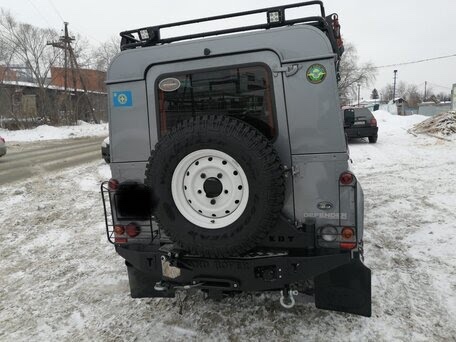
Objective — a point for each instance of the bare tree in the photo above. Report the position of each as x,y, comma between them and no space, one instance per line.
353,73
388,91
105,53
29,46
413,95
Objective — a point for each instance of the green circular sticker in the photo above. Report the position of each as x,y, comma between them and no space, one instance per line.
316,73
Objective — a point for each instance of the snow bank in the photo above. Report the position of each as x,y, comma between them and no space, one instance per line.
45,132
62,280
441,124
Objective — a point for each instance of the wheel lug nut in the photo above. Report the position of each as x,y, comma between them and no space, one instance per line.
219,175
213,202
203,175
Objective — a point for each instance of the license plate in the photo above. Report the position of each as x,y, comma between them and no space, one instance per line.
359,123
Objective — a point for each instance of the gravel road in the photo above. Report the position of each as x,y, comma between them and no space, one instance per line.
27,159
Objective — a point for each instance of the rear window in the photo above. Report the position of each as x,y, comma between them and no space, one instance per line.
363,113
241,92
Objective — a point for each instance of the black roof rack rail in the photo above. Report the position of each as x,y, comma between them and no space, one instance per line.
150,36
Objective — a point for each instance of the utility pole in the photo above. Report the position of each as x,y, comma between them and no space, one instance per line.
71,64
394,87
359,90
425,90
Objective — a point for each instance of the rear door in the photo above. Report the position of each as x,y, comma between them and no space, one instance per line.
228,85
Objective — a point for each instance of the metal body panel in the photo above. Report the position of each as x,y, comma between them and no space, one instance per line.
313,112
300,42
317,180
129,171
129,125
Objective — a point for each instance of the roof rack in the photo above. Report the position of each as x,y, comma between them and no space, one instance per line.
150,36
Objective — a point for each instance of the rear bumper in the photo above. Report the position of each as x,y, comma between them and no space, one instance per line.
2,150
341,282
361,132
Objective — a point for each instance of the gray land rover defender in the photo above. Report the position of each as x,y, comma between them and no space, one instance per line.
230,165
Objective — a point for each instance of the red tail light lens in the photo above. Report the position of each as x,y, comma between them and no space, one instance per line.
347,245
373,122
113,184
347,233
132,230
346,178
119,230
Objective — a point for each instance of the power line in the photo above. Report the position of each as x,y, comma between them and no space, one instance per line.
39,13
415,62
439,86
56,10
85,32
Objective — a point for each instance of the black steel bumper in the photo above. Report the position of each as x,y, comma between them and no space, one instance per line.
341,282
361,132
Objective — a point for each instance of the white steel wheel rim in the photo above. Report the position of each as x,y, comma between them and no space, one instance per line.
208,169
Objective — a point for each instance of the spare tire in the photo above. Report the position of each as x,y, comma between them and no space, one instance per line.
219,185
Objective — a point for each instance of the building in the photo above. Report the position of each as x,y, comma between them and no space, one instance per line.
23,103
94,80
432,108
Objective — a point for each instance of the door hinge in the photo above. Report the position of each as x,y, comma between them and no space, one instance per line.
287,170
289,70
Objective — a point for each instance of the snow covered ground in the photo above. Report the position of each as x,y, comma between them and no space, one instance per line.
61,280
46,132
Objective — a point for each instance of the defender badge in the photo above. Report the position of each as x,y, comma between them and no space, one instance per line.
316,73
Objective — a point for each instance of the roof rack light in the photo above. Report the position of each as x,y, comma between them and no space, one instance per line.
276,17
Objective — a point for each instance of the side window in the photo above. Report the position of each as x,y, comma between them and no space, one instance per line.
242,92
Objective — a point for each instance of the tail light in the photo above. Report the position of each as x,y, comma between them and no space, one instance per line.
113,184
373,122
132,230
329,234
119,232
346,178
347,245
348,238
347,233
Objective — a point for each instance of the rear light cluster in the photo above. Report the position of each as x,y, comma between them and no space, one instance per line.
373,122
347,178
122,233
338,237
113,184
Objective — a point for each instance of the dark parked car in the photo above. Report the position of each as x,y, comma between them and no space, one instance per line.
360,123
105,150
2,147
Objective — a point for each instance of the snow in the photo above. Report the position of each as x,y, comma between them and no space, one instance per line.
61,279
45,132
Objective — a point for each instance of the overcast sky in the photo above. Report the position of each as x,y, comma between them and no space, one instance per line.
384,31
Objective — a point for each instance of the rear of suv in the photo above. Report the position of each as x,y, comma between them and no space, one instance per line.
360,123
230,165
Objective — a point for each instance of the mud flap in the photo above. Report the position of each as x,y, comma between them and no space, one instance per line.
142,284
346,289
